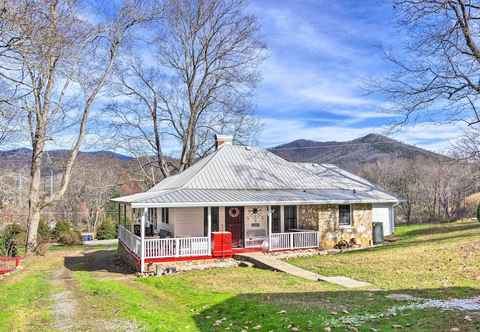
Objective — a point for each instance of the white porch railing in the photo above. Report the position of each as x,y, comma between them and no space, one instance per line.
254,243
177,247
294,240
133,242
163,248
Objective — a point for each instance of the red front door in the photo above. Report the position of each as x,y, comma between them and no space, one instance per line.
234,224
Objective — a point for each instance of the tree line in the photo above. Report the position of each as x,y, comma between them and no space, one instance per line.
150,73
432,190
149,76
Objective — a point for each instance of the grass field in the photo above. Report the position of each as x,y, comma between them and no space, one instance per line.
70,289
440,260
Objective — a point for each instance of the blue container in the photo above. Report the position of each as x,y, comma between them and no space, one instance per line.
87,237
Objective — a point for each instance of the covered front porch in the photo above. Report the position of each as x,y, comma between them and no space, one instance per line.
157,234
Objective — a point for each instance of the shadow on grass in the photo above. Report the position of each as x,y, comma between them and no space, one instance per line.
409,238
400,244
444,228
313,311
97,261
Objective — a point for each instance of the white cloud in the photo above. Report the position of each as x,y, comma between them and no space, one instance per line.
278,131
293,30
435,137
285,88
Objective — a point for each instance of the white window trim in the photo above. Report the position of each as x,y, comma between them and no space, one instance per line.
167,211
350,226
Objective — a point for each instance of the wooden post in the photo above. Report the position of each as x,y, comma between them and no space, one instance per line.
142,239
282,219
119,214
269,227
209,231
177,247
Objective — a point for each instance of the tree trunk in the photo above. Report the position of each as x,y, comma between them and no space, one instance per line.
34,206
409,213
186,148
158,146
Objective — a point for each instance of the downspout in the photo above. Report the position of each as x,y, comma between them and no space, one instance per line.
142,241
393,215
269,228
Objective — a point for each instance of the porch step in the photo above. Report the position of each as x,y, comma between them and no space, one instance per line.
266,261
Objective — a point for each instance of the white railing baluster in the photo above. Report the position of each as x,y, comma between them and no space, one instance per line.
130,240
163,248
294,240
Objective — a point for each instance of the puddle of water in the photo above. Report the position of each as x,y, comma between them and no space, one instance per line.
470,304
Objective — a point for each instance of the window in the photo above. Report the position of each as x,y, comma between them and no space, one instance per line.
165,215
276,225
345,215
290,217
152,217
215,220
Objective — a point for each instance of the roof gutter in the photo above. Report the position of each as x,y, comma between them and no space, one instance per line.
237,203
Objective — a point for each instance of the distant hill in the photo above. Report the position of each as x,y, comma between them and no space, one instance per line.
352,154
21,158
349,154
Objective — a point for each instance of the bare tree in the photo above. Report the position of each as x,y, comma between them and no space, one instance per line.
436,76
8,125
59,62
140,123
200,82
432,190
95,183
468,146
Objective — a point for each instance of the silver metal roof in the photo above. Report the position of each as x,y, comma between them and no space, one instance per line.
238,175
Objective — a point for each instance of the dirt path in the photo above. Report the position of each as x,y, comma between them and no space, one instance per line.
64,303
70,308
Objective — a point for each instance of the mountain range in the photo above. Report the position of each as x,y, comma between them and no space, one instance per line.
348,154
352,154
20,158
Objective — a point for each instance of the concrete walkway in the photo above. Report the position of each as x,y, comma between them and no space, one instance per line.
271,262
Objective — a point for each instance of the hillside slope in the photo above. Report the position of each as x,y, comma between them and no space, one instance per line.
21,158
354,153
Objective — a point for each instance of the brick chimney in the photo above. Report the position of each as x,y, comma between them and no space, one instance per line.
221,140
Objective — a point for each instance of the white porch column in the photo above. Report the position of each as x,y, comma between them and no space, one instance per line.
269,227
209,231
282,219
142,240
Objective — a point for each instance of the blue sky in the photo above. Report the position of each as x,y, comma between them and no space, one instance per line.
320,56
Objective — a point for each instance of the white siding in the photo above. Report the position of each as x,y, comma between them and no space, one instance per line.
221,219
187,222
384,213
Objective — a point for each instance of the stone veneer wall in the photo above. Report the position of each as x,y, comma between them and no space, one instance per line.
325,217
308,217
261,218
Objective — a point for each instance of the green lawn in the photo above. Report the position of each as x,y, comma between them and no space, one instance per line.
439,259
434,261
24,298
